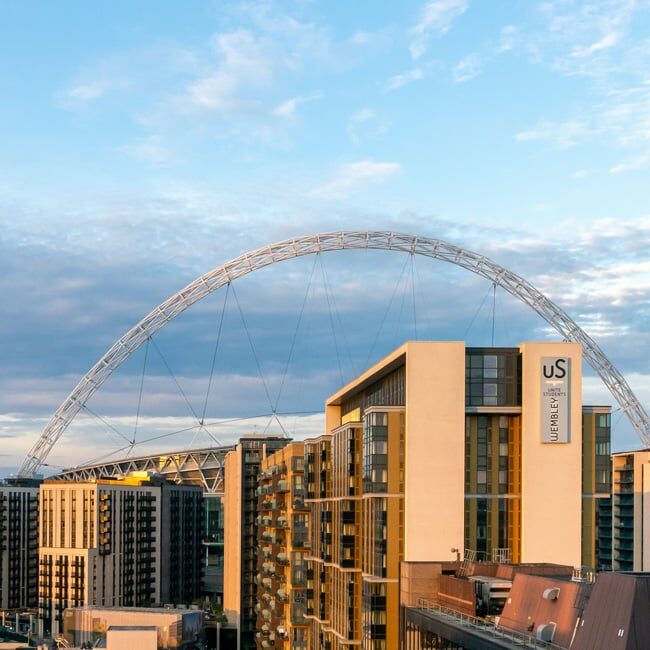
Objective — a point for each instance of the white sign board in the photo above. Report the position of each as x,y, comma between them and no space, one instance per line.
555,399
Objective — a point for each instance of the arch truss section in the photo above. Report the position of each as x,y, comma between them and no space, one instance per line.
202,467
323,243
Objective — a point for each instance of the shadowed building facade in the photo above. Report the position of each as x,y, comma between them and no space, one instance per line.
630,507
18,546
242,466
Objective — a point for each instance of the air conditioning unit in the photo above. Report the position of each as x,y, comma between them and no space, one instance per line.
551,594
545,632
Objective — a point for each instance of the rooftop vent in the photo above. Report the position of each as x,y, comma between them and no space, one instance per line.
545,632
551,594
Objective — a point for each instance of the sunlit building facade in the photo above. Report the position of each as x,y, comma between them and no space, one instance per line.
440,451
282,536
127,542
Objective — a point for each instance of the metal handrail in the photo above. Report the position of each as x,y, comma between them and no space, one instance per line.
486,626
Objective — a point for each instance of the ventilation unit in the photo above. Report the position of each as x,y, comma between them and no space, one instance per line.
551,594
545,632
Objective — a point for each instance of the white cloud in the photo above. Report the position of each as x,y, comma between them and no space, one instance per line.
399,80
360,38
562,135
353,176
632,164
509,39
150,149
577,36
245,63
91,90
287,109
608,40
467,68
436,17
364,124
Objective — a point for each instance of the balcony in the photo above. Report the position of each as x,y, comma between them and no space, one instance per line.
281,596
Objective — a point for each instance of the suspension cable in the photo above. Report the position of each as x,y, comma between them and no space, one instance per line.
415,315
144,370
401,309
181,391
494,307
329,307
106,422
337,316
386,311
469,327
257,361
214,355
295,334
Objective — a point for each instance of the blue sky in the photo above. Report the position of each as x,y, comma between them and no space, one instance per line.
145,143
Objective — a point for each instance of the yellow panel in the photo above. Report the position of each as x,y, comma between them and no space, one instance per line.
352,416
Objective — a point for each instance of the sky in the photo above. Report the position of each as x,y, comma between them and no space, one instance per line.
143,144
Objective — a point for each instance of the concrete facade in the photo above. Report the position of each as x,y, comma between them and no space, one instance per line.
388,476
100,545
551,483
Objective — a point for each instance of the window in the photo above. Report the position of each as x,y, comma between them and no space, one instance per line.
603,448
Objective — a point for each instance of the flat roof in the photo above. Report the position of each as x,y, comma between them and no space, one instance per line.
143,610
380,369
631,451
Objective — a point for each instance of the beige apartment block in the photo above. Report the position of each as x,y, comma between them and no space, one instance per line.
440,451
282,535
630,505
551,473
384,485
99,545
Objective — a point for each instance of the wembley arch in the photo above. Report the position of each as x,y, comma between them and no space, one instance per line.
322,243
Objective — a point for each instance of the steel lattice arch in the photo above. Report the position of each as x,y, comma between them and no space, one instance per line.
202,467
323,243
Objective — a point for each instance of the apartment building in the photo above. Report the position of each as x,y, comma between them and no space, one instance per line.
282,525
115,543
438,451
181,565
596,488
18,545
630,503
213,549
242,466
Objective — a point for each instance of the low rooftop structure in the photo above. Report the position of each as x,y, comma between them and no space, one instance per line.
616,617
441,606
176,628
